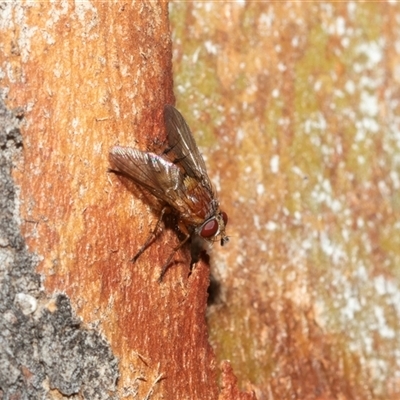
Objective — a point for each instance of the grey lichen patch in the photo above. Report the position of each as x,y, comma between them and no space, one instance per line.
44,350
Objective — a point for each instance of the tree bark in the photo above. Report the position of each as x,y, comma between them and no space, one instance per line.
90,76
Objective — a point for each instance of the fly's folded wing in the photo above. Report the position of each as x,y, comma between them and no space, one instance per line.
164,180
183,147
149,170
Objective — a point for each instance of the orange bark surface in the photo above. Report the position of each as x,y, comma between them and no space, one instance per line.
90,76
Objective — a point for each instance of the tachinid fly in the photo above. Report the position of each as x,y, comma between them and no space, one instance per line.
178,178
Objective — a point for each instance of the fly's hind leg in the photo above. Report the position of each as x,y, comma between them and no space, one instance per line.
168,262
152,235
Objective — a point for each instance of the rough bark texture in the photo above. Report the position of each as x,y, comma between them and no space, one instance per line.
43,345
90,76
296,105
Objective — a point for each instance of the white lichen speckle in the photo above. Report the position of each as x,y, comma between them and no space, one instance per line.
274,164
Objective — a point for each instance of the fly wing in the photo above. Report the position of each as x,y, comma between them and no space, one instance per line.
160,177
178,176
165,180
183,147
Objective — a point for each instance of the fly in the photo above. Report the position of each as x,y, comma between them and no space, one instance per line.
178,178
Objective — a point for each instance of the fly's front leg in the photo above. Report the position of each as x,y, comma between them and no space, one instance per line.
152,235
198,246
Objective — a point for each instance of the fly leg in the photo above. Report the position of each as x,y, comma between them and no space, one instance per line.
168,262
152,235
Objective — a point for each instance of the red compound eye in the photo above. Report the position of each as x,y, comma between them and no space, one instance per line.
224,217
209,229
